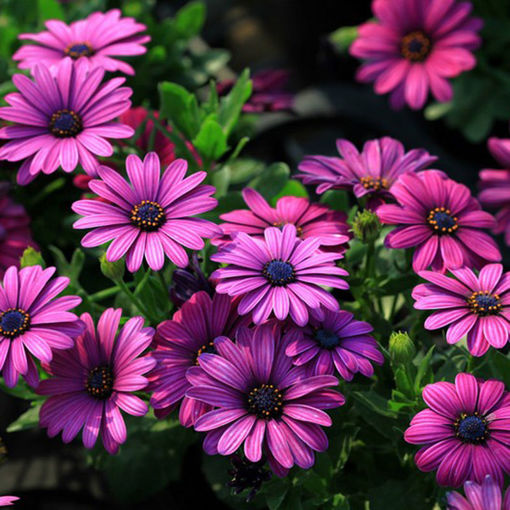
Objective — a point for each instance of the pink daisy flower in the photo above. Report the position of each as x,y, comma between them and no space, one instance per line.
465,431
96,40
63,120
262,401
8,500
96,379
441,219
179,342
370,174
34,321
414,46
15,235
334,342
495,186
476,306
310,220
279,273
483,496
150,215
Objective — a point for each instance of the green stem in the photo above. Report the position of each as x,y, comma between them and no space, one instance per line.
50,188
172,136
162,280
134,299
106,293
369,260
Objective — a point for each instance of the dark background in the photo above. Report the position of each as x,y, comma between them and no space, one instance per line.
272,33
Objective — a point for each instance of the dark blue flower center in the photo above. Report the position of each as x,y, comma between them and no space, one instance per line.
415,46
442,221
77,50
279,273
148,215
100,382
471,428
206,348
484,303
326,339
65,123
14,322
265,401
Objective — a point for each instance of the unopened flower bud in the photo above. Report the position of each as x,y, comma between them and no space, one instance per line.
112,270
366,226
402,349
31,257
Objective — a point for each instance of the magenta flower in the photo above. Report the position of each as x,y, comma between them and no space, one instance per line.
269,92
8,500
442,220
495,186
310,220
370,174
334,341
476,306
149,215
33,321
63,120
414,46
483,496
96,379
279,273
179,342
465,431
15,235
262,401
95,40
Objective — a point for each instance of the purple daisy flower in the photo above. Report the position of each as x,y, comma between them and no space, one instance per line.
95,40
465,431
150,215
310,220
8,500
279,273
414,46
179,342
63,120
334,341
96,379
262,401
476,306
442,220
15,235
269,92
495,186
34,321
483,496
370,174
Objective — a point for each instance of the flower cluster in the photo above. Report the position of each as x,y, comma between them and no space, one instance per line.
260,324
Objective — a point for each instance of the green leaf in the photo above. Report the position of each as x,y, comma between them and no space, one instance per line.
373,401
148,461
271,181
190,19
180,107
28,420
210,142
50,9
221,181
232,104
339,502
292,188
424,373
343,38
31,257
500,366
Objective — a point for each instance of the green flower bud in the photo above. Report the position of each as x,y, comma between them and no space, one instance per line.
402,349
31,257
366,226
112,270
